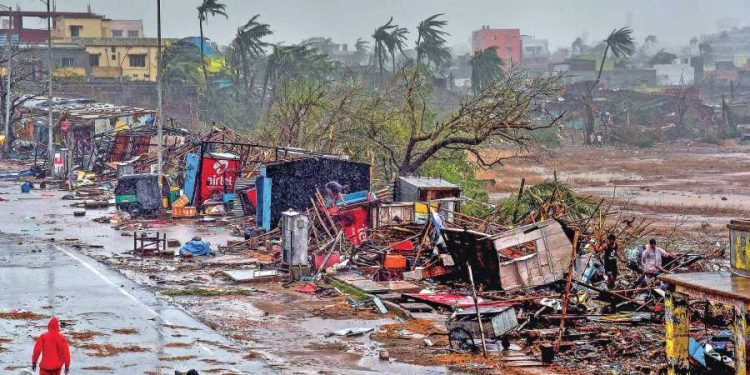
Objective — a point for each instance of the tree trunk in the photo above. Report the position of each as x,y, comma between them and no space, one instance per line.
393,61
588,129
203,57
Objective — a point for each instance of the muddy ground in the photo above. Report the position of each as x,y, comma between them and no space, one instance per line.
688,190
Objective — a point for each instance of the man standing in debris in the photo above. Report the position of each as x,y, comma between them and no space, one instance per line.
651,260
334,193
609,258
53,347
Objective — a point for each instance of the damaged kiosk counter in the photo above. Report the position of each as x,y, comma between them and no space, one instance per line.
217,174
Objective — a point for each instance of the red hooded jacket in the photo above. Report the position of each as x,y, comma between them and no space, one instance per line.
53,347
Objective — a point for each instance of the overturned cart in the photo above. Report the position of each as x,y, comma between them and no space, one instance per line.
464,329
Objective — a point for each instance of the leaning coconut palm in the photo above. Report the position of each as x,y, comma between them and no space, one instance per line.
288,62
208,8
383,38
248,45
431,43
362,49
621,43
486,66
397,41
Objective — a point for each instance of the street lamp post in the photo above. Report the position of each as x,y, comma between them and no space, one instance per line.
159,108
50,133
6,145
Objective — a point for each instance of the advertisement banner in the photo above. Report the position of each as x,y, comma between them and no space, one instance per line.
218,176
353,221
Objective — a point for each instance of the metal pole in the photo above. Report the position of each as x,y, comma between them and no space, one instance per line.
50,133
476,307
6,145
159,108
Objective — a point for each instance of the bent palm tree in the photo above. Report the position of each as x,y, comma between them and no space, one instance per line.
383,38
431,41
621,43
397,41
486,66
248,45
212,8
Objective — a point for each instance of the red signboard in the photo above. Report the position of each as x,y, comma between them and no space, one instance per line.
353,221
218,176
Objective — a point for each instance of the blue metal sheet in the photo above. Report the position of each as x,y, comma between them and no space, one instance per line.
191,171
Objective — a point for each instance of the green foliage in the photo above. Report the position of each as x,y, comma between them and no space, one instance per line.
548,137
634,136
486,66
711,137
534,197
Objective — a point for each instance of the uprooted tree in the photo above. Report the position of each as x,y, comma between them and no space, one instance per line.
407,131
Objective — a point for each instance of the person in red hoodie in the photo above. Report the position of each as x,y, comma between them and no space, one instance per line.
54,350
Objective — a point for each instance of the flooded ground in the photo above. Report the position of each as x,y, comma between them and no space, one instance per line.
132,305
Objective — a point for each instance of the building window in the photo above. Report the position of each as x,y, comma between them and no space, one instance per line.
117,33
113,57
94,59
66,62
75,31
132,33
137,60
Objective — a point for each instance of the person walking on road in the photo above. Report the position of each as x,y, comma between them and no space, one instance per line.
53,347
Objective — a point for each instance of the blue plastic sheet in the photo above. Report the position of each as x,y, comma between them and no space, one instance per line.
196,248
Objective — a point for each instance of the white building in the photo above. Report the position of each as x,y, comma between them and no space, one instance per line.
679,72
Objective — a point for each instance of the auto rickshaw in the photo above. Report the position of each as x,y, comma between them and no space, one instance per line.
140,194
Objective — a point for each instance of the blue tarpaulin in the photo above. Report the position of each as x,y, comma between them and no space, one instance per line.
196,248
16,174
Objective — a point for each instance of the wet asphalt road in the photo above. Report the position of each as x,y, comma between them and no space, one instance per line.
48,278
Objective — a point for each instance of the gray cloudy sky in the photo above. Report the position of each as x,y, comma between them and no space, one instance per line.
560,21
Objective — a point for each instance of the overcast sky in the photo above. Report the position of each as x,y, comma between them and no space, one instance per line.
559,21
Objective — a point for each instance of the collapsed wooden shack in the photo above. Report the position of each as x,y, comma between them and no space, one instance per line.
528,256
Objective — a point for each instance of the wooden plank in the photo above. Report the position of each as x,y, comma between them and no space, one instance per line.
416,307
399,286
524,364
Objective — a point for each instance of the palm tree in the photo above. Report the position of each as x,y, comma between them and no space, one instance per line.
208,8
486,66
294,61
650,40
578,45
431,41
383,38
248,45
362,49
397,41
621,43
693,43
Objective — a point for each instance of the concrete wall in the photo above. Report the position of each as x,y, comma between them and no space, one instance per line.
180,102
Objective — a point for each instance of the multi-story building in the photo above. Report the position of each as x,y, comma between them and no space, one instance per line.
507,42
131,58
126,29
114,49
534,53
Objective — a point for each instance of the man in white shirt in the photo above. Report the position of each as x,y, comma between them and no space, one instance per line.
651,259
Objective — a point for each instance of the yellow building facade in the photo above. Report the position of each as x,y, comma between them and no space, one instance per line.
112,53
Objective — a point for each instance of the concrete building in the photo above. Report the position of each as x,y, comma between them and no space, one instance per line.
112,48
130,58
30,27
534,53
507,42
679,72
126,28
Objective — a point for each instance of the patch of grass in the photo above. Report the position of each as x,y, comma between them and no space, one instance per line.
97,368
22,316
85,335
201,292
108,350
355,293
178,358
125,331
177,345
328,346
